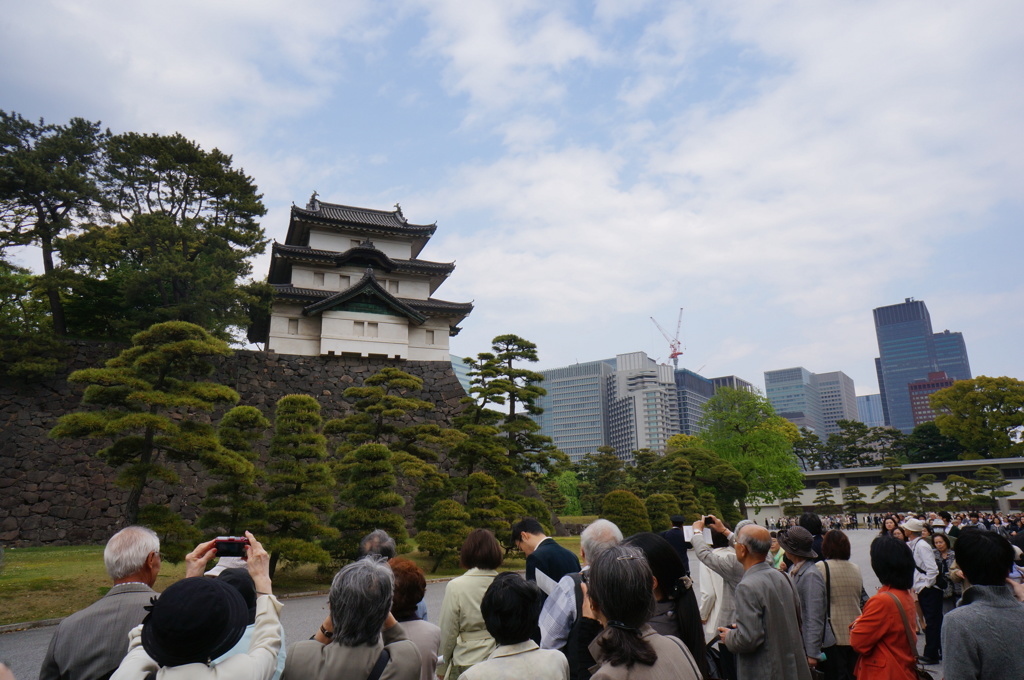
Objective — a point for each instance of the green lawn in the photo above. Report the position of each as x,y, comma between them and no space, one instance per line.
48,583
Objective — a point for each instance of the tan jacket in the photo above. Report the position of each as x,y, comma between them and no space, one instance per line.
674,661
464,637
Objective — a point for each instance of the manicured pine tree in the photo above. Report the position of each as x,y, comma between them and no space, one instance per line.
300,483
626,511
853,499
660,508
483,504
824,498
234,502
894,484
370,499
446,531
988,486
145,400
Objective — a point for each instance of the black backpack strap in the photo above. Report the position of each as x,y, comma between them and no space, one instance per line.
577,579
382,661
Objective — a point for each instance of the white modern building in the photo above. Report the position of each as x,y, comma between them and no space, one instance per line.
349,282
816,401
838,399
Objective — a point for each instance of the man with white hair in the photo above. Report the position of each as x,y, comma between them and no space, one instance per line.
90,644
561,613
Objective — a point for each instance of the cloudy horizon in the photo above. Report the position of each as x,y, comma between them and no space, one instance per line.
776,169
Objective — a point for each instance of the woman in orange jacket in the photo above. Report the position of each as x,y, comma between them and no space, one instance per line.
879,634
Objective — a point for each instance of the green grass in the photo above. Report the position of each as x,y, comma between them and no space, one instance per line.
52,582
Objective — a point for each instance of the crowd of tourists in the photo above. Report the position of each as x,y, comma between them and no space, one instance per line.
771,603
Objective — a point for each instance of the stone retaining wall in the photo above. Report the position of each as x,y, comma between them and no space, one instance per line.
57,492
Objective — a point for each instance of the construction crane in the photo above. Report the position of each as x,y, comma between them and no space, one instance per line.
675,347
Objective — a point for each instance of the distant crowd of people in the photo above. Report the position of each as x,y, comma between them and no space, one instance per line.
774,603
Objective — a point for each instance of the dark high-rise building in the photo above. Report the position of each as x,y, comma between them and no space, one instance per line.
908,351
693,391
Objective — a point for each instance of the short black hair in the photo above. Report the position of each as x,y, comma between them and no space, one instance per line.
944,514
528,525
984,556
892,562
811,522
511,607
677,520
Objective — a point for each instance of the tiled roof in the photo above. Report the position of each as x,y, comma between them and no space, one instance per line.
332,257
433,305
393,221
368,285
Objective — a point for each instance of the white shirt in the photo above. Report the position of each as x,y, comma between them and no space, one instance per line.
924,558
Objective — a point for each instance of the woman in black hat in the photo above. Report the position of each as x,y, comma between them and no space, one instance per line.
810,584
197,619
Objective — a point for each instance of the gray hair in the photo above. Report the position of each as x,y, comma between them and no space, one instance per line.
360,600
758,546
622,585
377,542
128,549
599,535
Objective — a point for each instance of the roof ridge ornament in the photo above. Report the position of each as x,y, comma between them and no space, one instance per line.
314,203
367,244
398,212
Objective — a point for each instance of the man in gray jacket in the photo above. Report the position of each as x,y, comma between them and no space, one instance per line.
90,644
731,572
766,634
981,637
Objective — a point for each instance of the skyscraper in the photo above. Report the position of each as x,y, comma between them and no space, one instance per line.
838,399
794,395
908,350
869,410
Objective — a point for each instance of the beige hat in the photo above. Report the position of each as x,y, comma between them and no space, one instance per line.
914,526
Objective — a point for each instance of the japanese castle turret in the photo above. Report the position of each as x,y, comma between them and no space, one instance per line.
349,281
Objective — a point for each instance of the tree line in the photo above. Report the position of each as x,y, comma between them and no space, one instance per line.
132,229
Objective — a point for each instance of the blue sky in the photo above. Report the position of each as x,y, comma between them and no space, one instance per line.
777,169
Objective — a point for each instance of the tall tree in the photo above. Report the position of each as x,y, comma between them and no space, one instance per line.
853,499
147,400
959,489
917,491
234,502
184,230
27,347
809,450
48,183
599,474
370,501
300,483
988,486
568,484
927,444
986,415
499,385
660,508
742,428
894,484
825,498
711,475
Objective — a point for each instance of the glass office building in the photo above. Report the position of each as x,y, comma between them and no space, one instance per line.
908,351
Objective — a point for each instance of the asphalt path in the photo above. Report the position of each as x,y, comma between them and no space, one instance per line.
24,650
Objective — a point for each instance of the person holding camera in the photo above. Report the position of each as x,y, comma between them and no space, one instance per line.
198,619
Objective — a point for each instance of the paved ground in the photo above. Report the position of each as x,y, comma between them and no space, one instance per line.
24,650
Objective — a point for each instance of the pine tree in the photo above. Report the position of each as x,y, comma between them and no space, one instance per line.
445,533
988,486
959,489
147,399
370,500
917,492
660,508
824,499
853,499
484,504
894,484
299,483
626,511
234,501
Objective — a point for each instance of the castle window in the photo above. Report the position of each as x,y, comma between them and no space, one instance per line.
344,282
371,329
393,287
293,326
358,328
430,337
318,279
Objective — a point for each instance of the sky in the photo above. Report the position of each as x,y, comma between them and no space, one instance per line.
776,169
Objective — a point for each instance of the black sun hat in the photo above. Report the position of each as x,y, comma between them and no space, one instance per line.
194,621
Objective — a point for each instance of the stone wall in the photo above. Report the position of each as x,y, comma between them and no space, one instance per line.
57,492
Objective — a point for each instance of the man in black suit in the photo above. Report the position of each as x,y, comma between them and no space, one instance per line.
678,541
